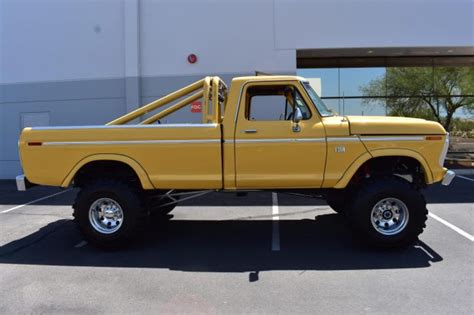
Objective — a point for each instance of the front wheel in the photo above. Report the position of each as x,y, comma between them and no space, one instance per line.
109,212
387,212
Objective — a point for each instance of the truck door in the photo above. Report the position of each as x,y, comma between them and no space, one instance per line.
271,151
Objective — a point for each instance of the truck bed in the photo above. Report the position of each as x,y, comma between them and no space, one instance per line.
178,156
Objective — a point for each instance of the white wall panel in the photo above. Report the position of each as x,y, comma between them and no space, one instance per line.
227,36
61,39
2,44
316,24
73,57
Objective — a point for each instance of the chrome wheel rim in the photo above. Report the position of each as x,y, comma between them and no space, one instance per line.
106,215
389,216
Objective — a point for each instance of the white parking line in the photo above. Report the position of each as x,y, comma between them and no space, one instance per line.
276,224
35,201
466,178
452,226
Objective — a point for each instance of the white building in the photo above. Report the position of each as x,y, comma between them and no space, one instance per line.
78,62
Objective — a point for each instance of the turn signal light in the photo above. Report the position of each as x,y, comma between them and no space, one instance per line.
434,138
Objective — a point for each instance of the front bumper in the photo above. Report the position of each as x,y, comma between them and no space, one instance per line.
448,178
22,183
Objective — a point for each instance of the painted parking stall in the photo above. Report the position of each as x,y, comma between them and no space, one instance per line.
218,251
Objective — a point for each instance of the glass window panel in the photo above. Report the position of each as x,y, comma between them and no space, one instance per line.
410,81
450,81
410,106
467,111
267,107
462,131
333,104
329,80
269,103
462,112
400,91
363,107
362,82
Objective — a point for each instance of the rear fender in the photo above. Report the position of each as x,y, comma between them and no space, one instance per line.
142,175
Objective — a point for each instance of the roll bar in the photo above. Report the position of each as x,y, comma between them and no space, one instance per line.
213,89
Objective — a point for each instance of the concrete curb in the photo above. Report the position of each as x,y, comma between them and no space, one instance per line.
463,171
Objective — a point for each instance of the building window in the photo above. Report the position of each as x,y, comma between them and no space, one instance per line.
440,91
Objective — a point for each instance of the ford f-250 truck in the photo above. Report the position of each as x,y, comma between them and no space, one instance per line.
264,133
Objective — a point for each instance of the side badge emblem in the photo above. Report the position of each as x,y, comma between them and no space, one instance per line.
340,149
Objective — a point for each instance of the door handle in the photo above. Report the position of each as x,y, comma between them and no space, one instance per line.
250,131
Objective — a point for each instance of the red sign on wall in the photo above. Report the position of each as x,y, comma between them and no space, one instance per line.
196,107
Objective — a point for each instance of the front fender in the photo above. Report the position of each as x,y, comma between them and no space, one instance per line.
346,178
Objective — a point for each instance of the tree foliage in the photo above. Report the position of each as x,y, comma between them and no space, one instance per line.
424,92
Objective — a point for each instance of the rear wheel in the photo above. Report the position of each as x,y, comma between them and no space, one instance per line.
387,212
109,212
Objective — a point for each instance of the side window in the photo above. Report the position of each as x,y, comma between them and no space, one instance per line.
302,106
267,107
274,102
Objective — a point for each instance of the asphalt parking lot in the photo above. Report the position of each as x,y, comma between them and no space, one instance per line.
264,253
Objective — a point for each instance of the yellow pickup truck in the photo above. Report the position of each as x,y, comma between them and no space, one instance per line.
263,133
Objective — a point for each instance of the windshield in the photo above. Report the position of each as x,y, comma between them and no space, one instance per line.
323,110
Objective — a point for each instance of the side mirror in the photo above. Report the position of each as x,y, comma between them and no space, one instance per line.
297,117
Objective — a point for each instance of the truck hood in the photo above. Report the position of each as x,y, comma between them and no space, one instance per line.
383,125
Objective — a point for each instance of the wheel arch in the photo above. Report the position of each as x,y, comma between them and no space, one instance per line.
98,158
387,153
